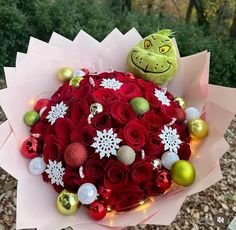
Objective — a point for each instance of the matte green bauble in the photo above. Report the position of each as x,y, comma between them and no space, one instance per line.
31,118
154,58
183,173
140,105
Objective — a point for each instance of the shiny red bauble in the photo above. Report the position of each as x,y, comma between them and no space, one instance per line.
163,180
97,211
86,71
31,147
40,104
105,193
75,154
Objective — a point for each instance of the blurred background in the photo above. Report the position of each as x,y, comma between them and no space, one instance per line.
199,25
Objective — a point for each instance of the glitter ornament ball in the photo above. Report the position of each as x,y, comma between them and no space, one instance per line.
126,155
87,193
30,147
181,101
163,180
75,154
168,159
140,105
97,211
64,74
105,193
198,128
67,202
31,118
37,166
192,113
183,173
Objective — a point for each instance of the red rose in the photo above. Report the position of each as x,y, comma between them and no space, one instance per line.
72,181
102,121
130,90
127,198
83,93
147,86
141,171
153,121
116,175
150,189
122,112
93,169
84,135
184,152
63,127
105,96
154,147
52,150
135,134
79,112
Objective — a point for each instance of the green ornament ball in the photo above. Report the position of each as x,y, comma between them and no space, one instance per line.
183,173
31,118
140,105
75,81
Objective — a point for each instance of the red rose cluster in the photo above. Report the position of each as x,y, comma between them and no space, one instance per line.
83,128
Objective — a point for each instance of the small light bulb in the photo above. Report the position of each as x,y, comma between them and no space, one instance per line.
109,208
141,202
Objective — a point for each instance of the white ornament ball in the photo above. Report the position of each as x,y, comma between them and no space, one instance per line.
168,159
37,166
87,193
192,113
126,155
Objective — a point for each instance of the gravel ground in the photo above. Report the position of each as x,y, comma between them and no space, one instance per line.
197,212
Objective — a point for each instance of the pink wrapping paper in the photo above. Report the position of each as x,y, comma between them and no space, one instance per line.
190,82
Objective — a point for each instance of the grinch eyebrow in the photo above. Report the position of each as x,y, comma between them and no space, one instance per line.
153,37
165,40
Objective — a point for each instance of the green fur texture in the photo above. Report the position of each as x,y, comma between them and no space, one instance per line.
154,58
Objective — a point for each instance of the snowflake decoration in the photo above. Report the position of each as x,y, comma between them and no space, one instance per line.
106,143
111,84
59,110
55,172
162,97
170,139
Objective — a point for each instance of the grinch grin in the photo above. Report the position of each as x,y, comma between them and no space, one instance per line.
140,62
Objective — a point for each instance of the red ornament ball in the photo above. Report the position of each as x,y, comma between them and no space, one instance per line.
97,211
180,114
30,148
40,104
163,180
75,154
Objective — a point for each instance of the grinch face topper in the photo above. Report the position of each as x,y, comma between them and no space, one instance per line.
154,58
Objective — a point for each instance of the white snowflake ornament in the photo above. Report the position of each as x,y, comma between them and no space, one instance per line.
59,110
106,143
162,97
170,139
111,84
55,172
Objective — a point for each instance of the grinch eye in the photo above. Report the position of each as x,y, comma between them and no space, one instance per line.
147,44
164,49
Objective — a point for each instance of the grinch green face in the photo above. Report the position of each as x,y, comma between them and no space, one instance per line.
154,58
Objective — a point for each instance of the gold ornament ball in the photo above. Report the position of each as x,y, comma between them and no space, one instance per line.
198,128
65,74
183,173
181,101
126,155
67,202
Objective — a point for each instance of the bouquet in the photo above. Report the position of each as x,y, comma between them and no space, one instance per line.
120,143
